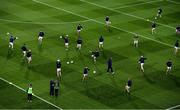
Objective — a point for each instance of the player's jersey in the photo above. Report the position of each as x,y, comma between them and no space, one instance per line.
79,41
101,39
153,25
41,34
66,40
29,54
169,64
135,38
107,18
79,27
85,71
142,60
160,11
177,44
12,39
129,83
23,48
58,64
96,53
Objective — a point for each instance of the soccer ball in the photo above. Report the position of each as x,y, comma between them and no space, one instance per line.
60,37
72,62
8,33
147,19
67,62
155,18
94,72
16,37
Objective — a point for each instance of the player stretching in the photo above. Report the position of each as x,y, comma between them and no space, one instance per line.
29,56
153,27
79,43
159,13
11,41
176,47
94,55
128,86
107,22
136,40
101,41
141,62
40,37
169,66
85,73
79,28
58,68
24,50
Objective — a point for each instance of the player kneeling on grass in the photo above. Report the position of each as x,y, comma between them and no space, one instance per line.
169,66
40,37
178,30
141,62
136,40
58,67
95,54
29,56
11,41
101,41
128,86
30,93
24,50
107,22
176,47
85,73
159,13
79,43
153,28
79,28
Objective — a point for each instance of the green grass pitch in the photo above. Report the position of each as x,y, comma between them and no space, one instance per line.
151,90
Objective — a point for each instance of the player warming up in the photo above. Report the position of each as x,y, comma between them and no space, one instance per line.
58,68
176,47
24,50
107,22
40,37
169,66
79,43
153,28
29,56
94,55
85,73
101,42
128,86
79,29
159,13
136,40
141,62
11,42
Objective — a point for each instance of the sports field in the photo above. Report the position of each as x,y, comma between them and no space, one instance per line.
152,89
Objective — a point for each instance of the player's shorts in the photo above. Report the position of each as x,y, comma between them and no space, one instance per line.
58,69
85,75
136,42
169,68
66,44
153,28
142,64
79,30
29,58
176,48
127,87
100,43
78,45
10,43
108,22
40,38
24,52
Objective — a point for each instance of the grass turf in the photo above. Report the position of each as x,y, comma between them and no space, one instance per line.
153,89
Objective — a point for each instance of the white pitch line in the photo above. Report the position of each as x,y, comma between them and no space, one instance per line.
102,23
49,23
177,3
173,107
138,17
33,94
137,4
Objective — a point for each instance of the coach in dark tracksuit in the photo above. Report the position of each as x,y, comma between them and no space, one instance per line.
51,88
109,63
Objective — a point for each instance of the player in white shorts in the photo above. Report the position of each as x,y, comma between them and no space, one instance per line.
40,37
58,67
136,40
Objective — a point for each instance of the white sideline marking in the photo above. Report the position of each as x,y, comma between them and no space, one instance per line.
33,94
45,23
126,6
173,107
178,3
102,23
125,13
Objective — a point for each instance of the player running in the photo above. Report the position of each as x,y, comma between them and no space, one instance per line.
107,22
94,55
79,29
176,47
11,41
79,43
169,66
153,27
24,50
40,37
29,56
128,86
136,40
159,13
58,68
141,62
85,73
101,42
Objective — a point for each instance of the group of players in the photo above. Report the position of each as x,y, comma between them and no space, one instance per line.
94,54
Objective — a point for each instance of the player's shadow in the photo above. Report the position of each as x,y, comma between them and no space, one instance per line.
148,78
40,48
